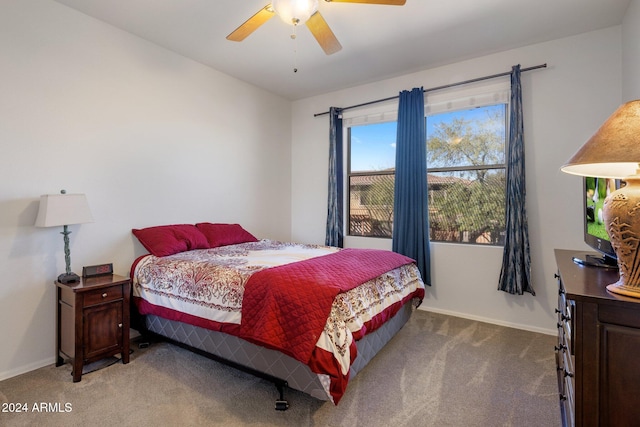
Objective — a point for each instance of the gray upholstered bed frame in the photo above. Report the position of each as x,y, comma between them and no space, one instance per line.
270,364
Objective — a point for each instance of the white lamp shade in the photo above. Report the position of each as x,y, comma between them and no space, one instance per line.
63,209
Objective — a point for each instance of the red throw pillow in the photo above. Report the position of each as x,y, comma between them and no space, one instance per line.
166,240
225,234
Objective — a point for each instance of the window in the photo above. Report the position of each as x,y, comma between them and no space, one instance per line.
466,176
372,157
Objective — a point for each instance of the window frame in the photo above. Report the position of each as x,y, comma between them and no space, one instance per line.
445,103
494,166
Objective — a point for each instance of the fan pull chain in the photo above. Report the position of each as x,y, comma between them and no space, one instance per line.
294,37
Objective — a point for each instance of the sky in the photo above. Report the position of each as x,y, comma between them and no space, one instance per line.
373,146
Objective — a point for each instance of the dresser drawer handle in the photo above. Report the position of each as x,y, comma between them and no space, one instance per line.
104,295
119,325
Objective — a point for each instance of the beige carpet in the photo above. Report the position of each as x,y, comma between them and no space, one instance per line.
438,371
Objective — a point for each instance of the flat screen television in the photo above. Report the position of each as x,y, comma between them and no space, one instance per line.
595,234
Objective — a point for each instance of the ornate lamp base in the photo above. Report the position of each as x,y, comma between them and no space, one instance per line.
623,290
621,212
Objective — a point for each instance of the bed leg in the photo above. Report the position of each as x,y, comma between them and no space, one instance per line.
281,403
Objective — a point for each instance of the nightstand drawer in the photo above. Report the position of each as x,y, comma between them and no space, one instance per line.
99,296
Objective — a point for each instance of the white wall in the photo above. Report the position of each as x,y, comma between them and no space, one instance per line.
631,52
151,138
563,105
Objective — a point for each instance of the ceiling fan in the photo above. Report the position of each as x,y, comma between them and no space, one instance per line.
295,12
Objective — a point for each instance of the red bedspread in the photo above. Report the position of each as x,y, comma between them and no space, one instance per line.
286,307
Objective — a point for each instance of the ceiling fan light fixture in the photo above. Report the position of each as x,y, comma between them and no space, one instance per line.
295,12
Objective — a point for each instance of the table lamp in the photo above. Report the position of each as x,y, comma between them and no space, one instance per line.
614,152
64,209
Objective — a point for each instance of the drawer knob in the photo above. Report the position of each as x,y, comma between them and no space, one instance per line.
119,325
104,295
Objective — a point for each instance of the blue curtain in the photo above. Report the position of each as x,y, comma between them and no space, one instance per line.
515,276
410,214
335,226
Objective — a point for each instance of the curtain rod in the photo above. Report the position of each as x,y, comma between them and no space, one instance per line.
493,76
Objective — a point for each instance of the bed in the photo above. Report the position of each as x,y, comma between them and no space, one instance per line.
304,316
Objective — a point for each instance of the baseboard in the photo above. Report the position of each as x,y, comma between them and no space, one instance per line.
26,368
490,320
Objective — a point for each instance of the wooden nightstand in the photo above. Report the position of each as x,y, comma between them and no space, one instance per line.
92,321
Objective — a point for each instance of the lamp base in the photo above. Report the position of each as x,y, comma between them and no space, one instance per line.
620,289
621,211
68,278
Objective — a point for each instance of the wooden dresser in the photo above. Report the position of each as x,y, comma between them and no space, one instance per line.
598,351
92,321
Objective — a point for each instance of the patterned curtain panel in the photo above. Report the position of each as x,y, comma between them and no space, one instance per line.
515,276
335,225
410,214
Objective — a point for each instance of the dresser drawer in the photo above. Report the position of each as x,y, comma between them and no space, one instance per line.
99,296
567,365
568,325
562,301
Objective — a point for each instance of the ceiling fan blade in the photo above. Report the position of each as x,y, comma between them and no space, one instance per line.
387,2
252,24
323,34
